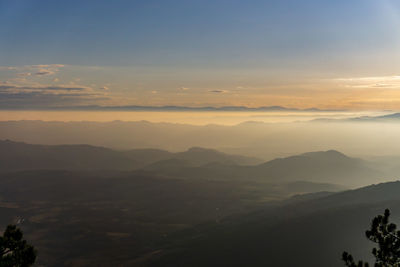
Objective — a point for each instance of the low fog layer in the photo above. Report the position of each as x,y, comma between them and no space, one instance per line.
363,138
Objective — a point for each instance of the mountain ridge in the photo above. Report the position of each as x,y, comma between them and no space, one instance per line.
336,222
82,156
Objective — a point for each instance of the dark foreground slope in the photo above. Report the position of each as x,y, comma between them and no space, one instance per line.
112,218
299,233
140,219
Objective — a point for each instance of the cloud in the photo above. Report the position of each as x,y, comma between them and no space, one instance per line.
184,88
44,72
378,82
41,100
46,69
24,74
37,70
25,88
14,88
218,91
46,66
44,96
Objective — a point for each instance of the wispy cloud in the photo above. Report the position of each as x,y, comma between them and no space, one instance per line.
218,91
24,74
23,97
378,82
15,88
39,70
41,100
46,66
44,72
27,87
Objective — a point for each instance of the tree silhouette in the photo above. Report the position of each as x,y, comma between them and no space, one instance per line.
385,235
14,250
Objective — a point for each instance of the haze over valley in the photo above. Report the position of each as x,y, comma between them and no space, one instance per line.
213,133
359,136
82,204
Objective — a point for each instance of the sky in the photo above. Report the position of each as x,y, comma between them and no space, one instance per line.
300,54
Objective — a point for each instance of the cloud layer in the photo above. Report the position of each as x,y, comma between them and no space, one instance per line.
35,86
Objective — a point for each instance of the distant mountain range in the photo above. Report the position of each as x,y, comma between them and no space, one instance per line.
22,156
321,167
196,163
184,108
389,117
394,117
262,140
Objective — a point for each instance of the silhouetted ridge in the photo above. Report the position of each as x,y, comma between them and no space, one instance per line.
22,156
321,223
383,118
324,166
327,152
330,154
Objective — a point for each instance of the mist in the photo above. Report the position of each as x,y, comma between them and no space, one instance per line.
199,133
265,140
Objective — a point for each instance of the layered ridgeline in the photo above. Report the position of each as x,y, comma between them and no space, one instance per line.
321,167
22,156
360,136
86,205
311,230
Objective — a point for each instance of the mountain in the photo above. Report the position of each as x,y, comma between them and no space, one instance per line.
22,156
205,209
394,117
320,167
307,232
323,166
306,187
330,166
184,108
263,140
198,156
147,156
169,165
384,118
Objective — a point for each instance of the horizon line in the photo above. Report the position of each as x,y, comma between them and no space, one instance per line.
171,108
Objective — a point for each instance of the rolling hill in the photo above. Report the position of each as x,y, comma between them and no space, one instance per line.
205,208
321,167
196,163
307,232
22,156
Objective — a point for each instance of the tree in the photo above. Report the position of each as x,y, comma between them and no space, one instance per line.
387,237
14,250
